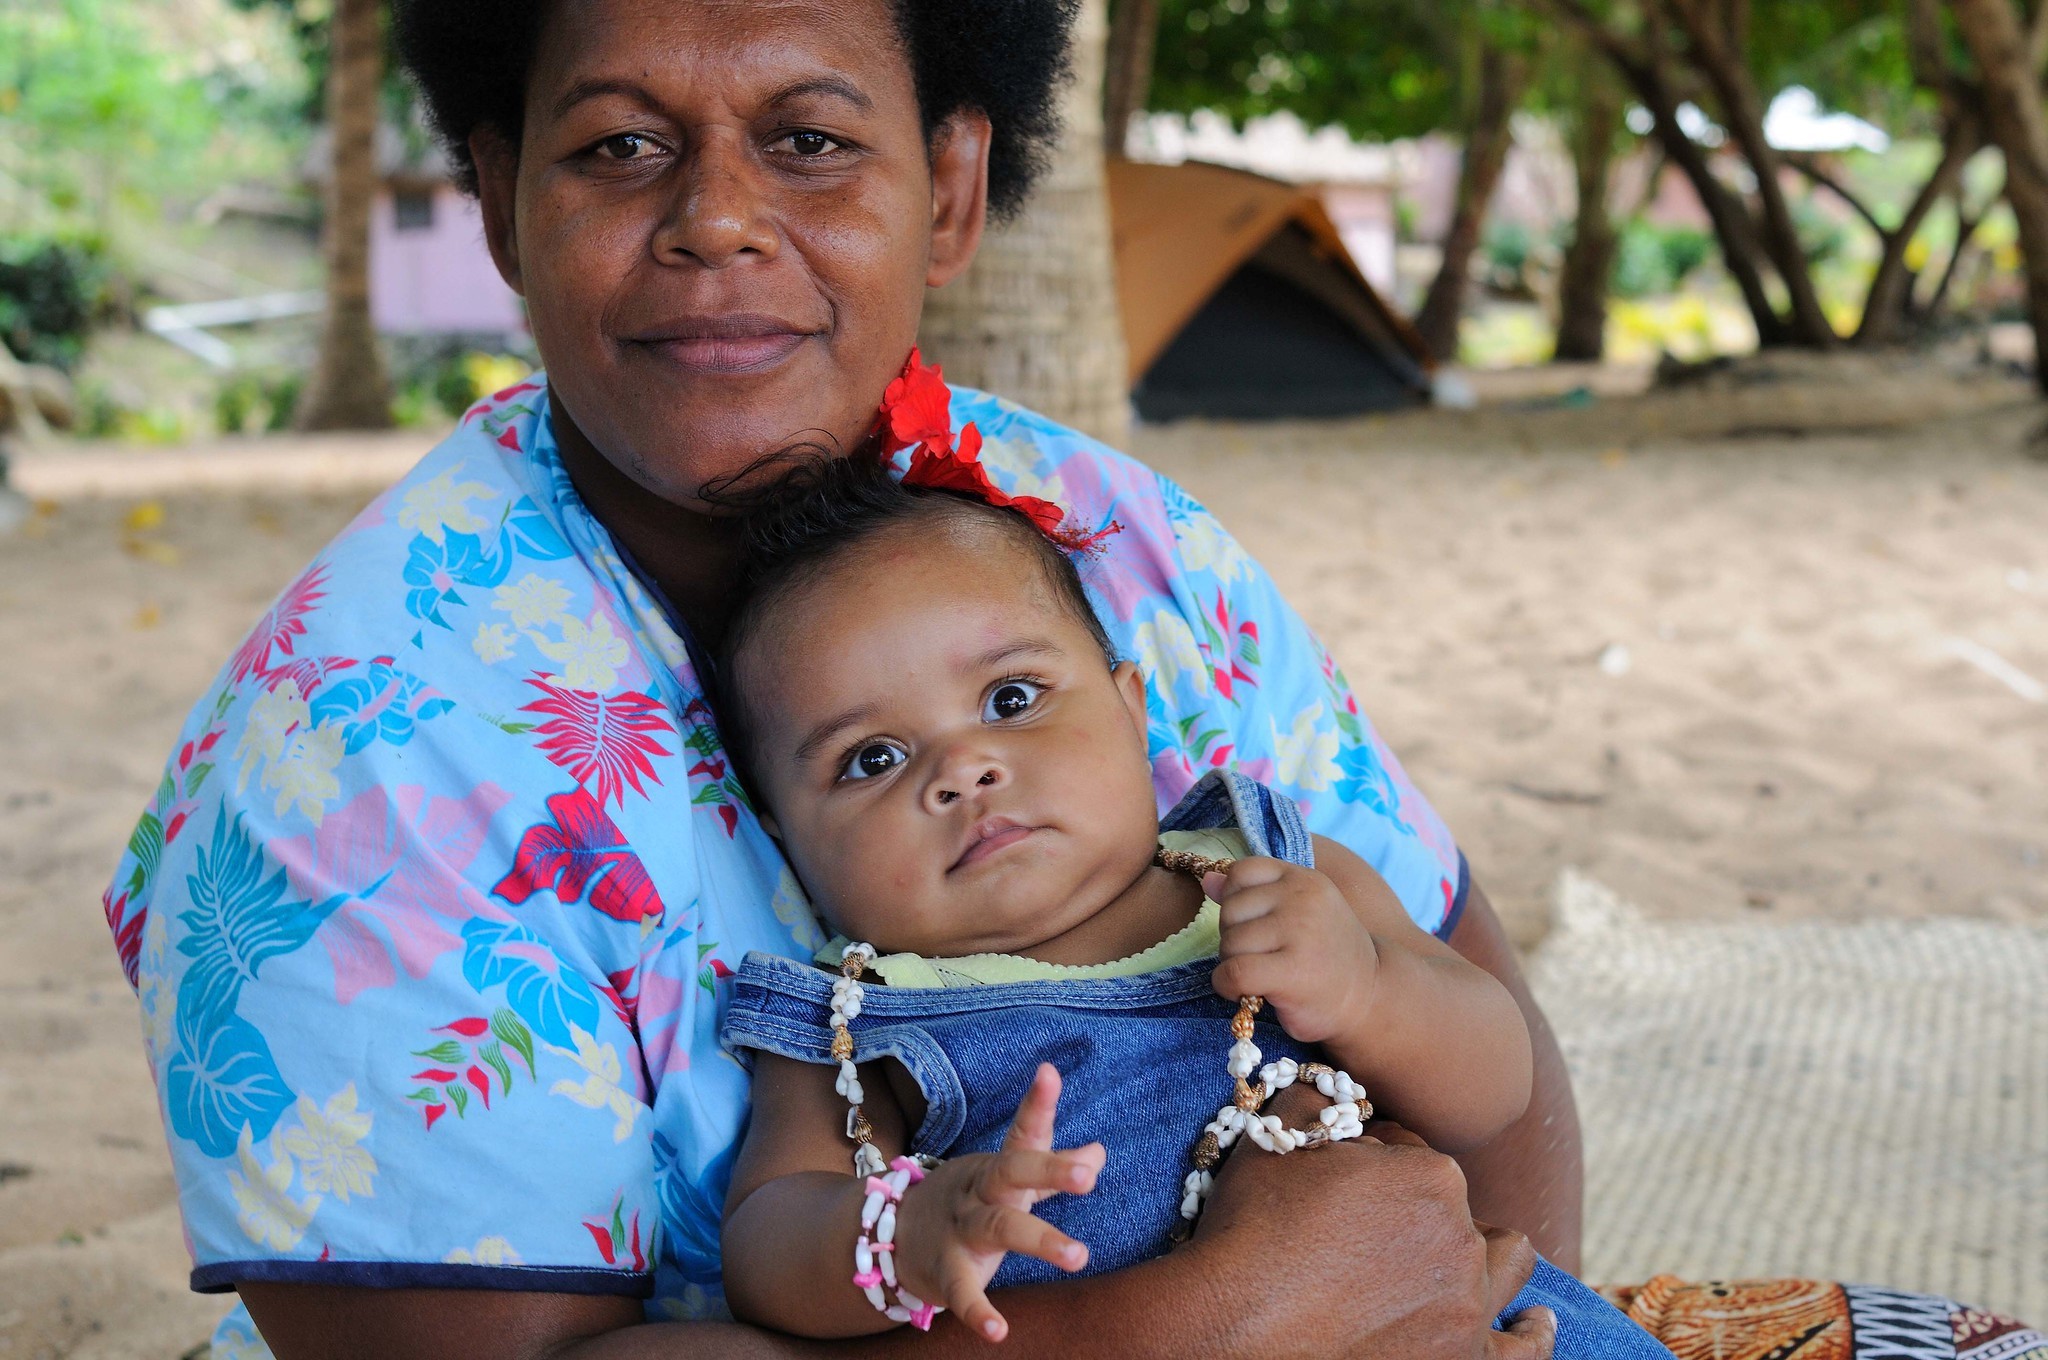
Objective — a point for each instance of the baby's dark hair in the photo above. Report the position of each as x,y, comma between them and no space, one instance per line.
811,515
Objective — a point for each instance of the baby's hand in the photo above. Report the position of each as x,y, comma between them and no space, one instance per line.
955,1226
1291,937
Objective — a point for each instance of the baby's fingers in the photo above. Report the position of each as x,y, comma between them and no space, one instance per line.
998,1227
1024,1176
1032,1128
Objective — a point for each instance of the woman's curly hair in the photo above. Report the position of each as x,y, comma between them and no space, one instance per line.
1006,58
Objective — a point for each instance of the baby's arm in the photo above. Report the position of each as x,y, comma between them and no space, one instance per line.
793,1213
1437,1041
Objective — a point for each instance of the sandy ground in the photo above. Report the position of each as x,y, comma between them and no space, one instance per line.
1735,651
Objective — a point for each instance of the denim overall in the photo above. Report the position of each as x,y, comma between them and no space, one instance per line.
1142,1067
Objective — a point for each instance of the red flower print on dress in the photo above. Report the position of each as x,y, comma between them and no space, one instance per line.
582,851
459,1063
603,741
615,1239
278,629
127,933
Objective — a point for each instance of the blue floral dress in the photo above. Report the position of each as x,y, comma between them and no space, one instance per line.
432,913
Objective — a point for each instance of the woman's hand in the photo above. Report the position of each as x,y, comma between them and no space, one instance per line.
1290,936
1363,1248
955,1226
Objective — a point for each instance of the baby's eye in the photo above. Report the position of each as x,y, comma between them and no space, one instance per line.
875,758
1011,699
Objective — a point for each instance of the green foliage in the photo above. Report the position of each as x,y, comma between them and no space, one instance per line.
1507,247
53,289
1379,68
1650,261
110,105
1822,237
442,381
253,402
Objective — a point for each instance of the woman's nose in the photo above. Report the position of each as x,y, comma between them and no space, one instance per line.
720,213
962,777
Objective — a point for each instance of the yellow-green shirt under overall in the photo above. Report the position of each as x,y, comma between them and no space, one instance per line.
1198,939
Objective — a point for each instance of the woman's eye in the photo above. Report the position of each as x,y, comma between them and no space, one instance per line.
1011,699
627,146
875,758
809,144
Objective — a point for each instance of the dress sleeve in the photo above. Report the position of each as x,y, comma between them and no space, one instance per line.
1237,678
383,1055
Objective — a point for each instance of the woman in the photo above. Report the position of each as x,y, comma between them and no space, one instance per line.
431,975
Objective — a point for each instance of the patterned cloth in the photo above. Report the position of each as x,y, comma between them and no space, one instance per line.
1813,1320
430,917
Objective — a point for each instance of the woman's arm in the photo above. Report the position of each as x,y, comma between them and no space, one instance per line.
1414,1279
1531,1176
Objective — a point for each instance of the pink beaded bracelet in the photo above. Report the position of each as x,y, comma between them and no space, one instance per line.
874,1254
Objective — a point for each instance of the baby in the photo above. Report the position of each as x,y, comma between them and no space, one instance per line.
937,731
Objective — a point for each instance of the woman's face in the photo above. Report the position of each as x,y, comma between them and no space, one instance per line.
723,215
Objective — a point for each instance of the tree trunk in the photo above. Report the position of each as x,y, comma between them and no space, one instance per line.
1035,317
1727,71
348,389
2003,50
1733,230
1133,39
1589,260
1887,307
1488,138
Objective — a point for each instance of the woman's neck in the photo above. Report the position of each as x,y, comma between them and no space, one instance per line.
688,554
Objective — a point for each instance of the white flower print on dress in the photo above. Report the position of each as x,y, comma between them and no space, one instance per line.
1019,463
264,1206
533,601
437,506
325,1144
489,1251
1166,651
271,721
1307,756
589,654
304,774
600,1087
492,643
1206,546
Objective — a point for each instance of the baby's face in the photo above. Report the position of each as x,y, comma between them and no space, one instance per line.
949,761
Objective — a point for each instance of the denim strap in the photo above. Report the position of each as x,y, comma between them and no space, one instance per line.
1271,824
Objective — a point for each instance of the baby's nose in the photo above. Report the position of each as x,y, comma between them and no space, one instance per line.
947,792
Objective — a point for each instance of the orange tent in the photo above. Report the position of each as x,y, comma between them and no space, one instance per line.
1240,299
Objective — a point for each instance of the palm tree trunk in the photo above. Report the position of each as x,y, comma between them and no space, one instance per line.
1589,260
1133,38
2017,122
1035,317
349,389
1487,142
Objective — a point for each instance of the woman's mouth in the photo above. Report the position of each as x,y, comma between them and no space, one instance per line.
992,836
740,343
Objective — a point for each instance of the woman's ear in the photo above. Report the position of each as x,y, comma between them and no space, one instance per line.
497,190
959,194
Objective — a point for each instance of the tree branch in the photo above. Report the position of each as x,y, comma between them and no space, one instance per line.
1811,167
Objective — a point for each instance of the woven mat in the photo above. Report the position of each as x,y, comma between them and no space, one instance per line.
1860,1102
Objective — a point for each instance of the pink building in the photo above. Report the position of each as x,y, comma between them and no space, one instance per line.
430,272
